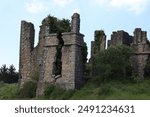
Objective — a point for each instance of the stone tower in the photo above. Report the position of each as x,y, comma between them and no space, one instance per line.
54,51
141,51
26,47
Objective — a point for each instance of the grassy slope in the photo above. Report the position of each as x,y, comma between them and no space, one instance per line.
8,91
92,90
114,90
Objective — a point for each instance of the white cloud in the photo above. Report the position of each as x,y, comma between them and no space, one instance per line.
35,6
135,6
62,3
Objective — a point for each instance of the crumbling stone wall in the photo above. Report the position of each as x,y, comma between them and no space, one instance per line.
26,48
119,38
97,45
44,55
141,52
138,42
99,42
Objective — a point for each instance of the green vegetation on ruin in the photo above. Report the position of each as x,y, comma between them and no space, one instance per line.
56,25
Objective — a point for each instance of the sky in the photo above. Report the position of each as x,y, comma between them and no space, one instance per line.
108,15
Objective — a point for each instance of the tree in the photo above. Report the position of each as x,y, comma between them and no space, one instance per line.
113,63
8,75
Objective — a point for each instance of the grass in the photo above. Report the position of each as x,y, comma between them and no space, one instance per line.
8,91
115,90
94,89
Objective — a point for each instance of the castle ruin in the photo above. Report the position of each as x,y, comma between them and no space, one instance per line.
138,42
57,58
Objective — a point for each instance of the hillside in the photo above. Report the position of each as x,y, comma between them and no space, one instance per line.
93,90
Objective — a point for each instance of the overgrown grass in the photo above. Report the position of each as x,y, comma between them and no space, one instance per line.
8,91
94,89
114,90
56,93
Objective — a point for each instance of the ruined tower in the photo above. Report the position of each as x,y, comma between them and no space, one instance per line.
141,52
26,47
99,42
138,42
58,57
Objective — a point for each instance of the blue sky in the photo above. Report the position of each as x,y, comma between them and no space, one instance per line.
109,15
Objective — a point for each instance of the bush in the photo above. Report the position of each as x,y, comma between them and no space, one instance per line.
113,63
56,25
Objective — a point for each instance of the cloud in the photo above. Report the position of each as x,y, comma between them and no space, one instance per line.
135,6
62,3
35,6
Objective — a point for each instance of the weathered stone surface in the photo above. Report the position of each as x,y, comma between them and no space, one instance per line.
42,57
75,23
99,42
141,51
138,42
119,38
26,47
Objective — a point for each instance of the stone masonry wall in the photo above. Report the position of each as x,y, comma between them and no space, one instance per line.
138,42
26,48
141,52
119,38
99,42
41,58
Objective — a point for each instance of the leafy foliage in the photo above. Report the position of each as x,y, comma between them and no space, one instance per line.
55,25
113,63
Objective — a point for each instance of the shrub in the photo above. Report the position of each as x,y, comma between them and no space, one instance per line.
113,63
